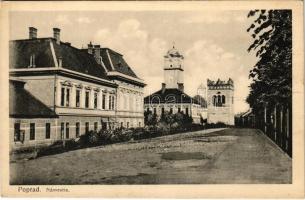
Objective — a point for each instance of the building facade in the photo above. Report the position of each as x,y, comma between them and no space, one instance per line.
220,96
86,89
171,97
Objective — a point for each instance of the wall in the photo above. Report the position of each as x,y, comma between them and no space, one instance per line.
42,87
130,105
55,134
224,114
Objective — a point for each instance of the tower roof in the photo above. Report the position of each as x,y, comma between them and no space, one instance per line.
173,52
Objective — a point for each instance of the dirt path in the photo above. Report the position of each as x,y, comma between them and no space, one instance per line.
210,156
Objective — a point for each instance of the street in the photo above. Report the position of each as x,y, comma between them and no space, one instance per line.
222,156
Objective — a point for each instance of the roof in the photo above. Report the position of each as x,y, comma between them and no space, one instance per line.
114,61
220,82
24,104
76,60
173,52
72,58
169,95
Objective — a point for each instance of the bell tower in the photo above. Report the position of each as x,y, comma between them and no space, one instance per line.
173,69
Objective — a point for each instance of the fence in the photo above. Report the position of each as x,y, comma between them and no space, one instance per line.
275,121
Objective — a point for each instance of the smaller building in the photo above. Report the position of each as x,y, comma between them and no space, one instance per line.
220,101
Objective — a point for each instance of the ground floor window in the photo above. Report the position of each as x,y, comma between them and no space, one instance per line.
77,129
122,124
139,124
67,130
32,131
127,125
87,127
48,130
104,125
187,111
62,130
95,126
17,132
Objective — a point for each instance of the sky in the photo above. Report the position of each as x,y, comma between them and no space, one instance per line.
214,43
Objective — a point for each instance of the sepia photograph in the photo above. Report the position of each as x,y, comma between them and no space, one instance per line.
151,97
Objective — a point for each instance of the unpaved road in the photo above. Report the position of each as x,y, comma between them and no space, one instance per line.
203,157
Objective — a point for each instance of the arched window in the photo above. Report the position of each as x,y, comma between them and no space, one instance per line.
223,99
214,100
219,100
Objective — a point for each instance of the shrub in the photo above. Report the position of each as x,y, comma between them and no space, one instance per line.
89,138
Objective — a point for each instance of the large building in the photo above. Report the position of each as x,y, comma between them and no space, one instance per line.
220,96
77,89
171,96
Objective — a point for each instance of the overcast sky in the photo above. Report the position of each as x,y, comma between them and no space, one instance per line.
214,43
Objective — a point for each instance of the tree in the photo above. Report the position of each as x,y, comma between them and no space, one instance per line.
169,118
272,74
150,119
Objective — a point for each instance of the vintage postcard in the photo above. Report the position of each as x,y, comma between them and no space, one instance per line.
152,99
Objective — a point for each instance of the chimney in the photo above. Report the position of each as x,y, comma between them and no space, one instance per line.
181,87
32,33
97,53
163,87
90,48
56,35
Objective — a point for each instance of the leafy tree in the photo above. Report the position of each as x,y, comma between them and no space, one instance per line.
169,119
272,74
150,119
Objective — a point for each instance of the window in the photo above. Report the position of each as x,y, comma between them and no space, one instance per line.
147,109
109,102
32,131
162,111
95,126
32,60
214,100
62,98
77,129
65,96
187,111
112,103
77,98
62,130
104,102
67,130
104,125
17,132
219,104
87,99
155,110
223,98
127,125
179,109
139,124
95,99
87,127
48,131
68,97
171,110
122,124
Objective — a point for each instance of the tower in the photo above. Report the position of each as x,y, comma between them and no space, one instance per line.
220,101
173,69
202,91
